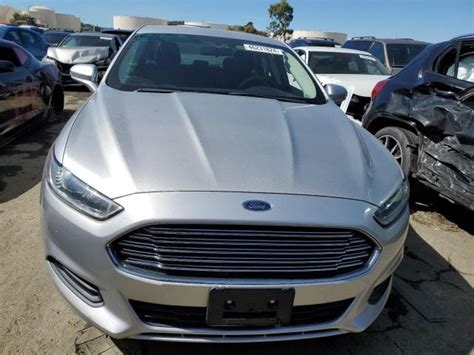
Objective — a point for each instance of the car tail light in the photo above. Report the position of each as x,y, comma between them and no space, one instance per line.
377,88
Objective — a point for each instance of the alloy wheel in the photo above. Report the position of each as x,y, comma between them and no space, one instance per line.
393,146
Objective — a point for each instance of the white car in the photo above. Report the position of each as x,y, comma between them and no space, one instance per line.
357,71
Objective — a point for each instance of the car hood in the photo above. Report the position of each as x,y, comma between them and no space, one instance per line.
127,142
363,84
78,55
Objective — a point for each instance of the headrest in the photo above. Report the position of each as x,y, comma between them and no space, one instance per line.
169,53
244,61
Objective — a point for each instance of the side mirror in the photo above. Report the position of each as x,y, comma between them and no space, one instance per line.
7,66
337,93
86,74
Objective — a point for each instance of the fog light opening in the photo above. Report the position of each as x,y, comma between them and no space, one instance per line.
379,291
83,289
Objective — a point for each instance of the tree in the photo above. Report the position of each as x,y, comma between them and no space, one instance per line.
281,15
19,18
85,27
249,28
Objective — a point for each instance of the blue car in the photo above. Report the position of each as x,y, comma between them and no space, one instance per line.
28,39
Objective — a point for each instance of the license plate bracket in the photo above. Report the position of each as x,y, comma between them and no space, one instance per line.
249,307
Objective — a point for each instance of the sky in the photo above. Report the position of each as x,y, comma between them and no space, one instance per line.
429,20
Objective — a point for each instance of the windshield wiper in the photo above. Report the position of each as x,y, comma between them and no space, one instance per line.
280,98
171,90
222,92
165,91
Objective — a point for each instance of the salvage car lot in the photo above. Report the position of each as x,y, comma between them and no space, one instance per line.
430,309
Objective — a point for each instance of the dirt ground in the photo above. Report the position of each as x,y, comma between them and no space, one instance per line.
431,309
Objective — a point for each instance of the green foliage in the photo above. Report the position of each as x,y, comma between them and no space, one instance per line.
86,27
249,28
281,15
19,18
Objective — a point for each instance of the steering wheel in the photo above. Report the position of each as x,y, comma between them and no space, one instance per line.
254,80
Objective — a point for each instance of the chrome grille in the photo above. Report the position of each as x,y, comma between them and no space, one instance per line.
243,251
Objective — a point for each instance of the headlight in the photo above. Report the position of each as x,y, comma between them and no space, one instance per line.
78,194
394,205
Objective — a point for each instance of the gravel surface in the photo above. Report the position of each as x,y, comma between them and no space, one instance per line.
430,310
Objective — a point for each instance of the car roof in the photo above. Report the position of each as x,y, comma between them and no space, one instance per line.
466,36
320,39
387,40
14,27
331,49
116,31
93,34
56,31
212,32
400,40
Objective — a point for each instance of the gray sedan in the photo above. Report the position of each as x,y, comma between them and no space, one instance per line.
211,190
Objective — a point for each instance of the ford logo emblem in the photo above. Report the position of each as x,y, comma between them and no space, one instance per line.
257,205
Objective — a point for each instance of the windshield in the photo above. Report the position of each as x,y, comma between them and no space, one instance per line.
400,54
345,63
86,41
182,62
54,37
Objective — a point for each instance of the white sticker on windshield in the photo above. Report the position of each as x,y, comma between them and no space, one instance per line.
106,38
363,56
262,49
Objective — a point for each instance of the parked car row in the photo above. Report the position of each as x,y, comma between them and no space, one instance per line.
393,53
358,65
357,71
34,68
29,90
423,113
83,48
429,85
90,47
32,41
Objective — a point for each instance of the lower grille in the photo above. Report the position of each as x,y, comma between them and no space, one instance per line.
182,316
243,251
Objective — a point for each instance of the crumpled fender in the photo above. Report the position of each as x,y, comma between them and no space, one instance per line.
446,151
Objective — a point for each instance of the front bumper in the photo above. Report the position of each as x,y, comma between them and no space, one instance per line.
79,243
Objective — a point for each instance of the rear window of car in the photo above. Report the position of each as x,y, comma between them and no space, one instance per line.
87,41
359,45
345,63
321,43
400,54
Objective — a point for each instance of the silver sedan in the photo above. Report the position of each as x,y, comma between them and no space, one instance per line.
211,190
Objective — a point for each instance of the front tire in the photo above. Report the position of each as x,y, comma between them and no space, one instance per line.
402,144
